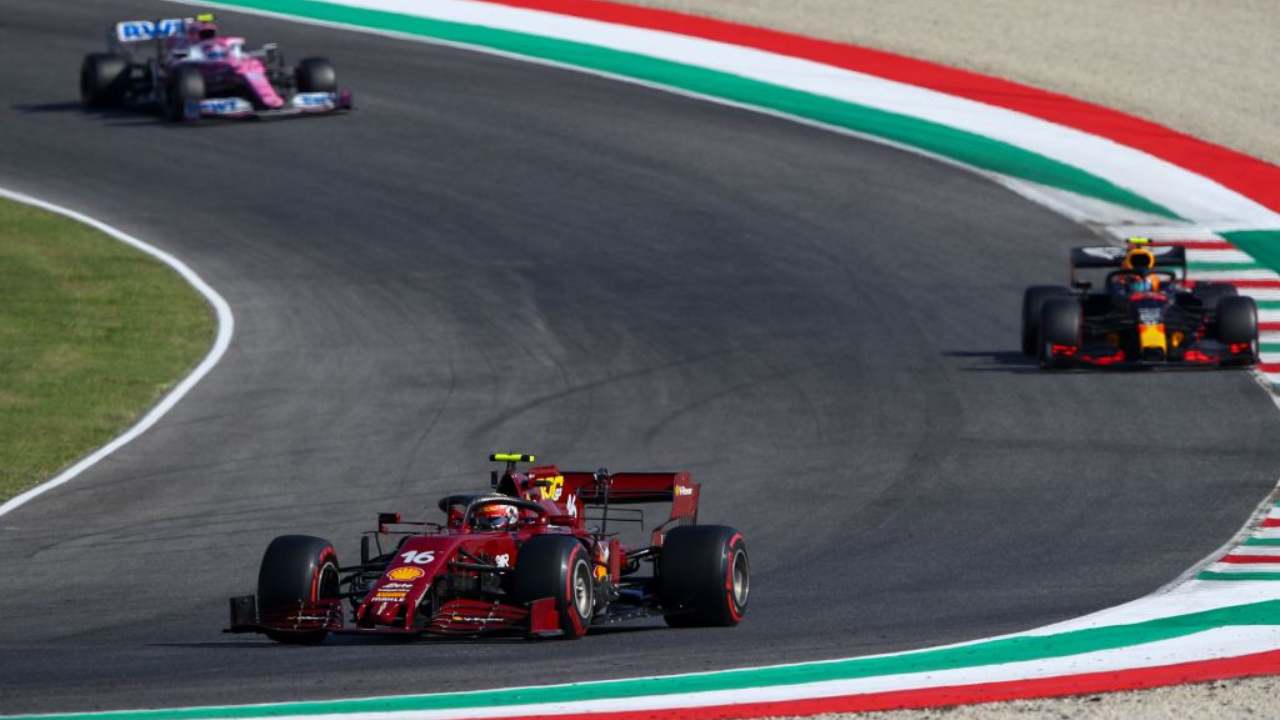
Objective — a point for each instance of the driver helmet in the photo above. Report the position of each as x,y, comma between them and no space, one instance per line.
497,516
201,30
1141,261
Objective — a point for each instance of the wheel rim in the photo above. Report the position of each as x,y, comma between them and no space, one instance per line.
329,585
582,590
741,578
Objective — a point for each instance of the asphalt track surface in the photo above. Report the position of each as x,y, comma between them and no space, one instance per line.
492,255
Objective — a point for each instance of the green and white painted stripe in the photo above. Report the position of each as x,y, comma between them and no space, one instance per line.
1256,558
1204,628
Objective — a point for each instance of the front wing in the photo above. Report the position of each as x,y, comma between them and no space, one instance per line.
1206,354
311,103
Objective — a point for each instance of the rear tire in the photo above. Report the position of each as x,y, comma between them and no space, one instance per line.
1211,295
705,576
1033,301
557,566
315,75
1060,324
184,86
103,80
297,569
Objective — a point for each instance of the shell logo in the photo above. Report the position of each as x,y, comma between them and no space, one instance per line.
406,573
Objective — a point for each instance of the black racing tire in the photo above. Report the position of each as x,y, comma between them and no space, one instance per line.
1212,294
315,74
704,576
295,569
103,80
1238,321
1060,324
1033,300
559,567
184,85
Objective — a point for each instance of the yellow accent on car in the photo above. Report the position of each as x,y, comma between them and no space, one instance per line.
1137,240
553,488
1176,339
1152,336
204,17
512,457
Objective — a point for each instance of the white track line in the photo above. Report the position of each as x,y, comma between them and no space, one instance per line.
226,326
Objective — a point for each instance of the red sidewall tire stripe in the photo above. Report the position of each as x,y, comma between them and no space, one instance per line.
574,626
735,612
325,556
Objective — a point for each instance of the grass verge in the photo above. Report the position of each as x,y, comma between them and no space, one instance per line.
92,333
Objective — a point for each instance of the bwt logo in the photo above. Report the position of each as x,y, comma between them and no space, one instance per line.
222,106
135,30
312,99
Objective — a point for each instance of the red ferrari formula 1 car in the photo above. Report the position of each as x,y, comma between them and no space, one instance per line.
522,559
1146,314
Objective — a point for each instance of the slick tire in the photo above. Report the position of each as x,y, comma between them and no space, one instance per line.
704,576
1211,295
1060,324
558,567
1238,323
315,74
1033,300
296,569
103,77
184,86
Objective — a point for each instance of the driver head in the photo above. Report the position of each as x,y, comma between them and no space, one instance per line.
496,517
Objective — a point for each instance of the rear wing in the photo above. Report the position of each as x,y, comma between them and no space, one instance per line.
627,488
135,31
570,493
632,488
1170,258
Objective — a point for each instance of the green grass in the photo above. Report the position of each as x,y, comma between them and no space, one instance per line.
92,333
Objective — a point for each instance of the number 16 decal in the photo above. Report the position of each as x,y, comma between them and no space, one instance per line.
418,557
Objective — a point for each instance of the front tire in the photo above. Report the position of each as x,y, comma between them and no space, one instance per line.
297,569
557,566
1238,324
1033,300
315,75
1060,324
705,576
184,87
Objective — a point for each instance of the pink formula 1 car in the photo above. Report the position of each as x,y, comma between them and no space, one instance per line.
185,69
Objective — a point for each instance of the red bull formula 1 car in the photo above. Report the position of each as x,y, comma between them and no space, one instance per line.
1146,314
185,69
524,559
